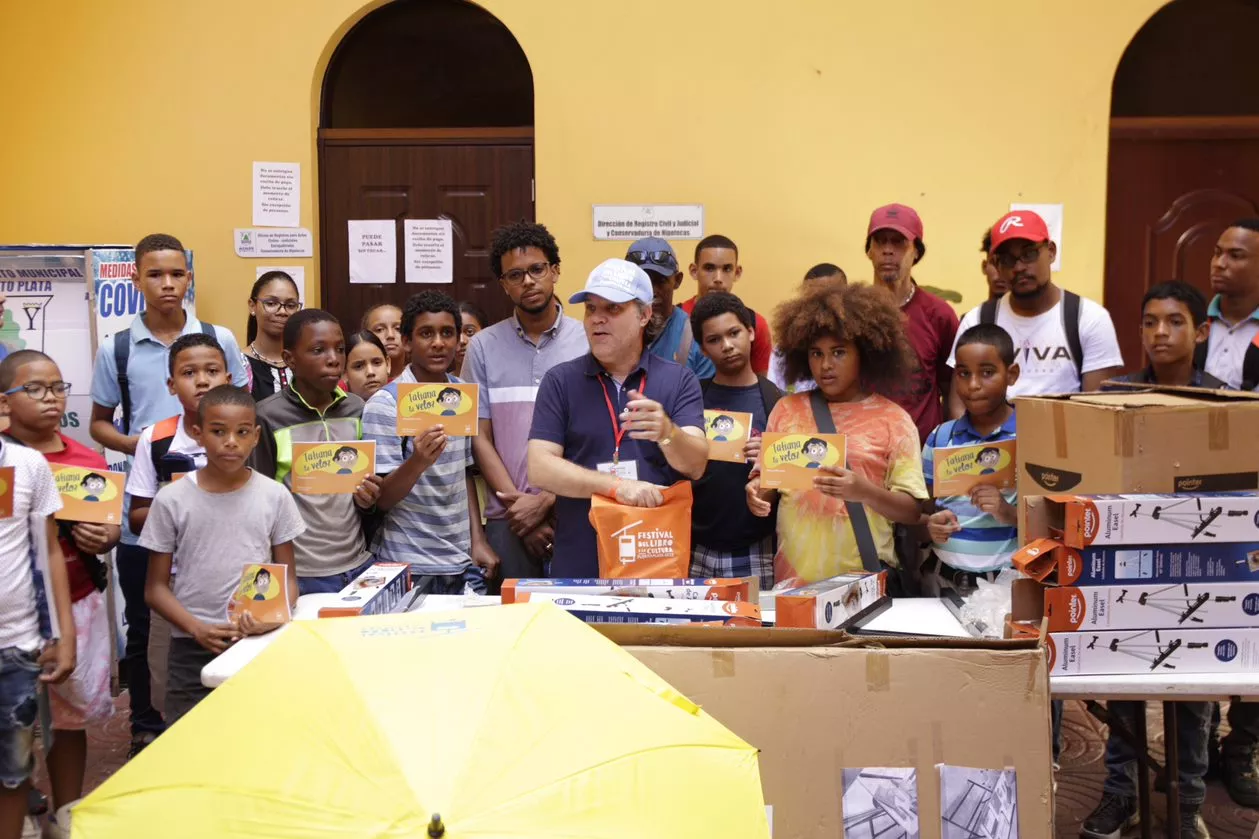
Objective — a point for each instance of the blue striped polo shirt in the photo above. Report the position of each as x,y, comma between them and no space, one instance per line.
429,527
983,544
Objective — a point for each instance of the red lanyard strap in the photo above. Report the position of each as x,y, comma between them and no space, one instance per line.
618,433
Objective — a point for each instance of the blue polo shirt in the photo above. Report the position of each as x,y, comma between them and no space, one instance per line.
148,368
571,411
983,544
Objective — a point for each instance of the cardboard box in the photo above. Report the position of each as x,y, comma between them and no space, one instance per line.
829,604
900,704
1164,440
1170,606
1044,556
1102,520
377,591
745,589
1181,650
594,608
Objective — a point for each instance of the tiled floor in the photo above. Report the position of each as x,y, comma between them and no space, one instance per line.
1079,782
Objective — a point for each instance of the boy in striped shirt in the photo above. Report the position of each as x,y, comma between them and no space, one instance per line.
976,534
433,519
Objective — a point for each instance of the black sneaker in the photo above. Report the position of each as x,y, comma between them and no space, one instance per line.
1241,777
1191,824
139,742
1113,815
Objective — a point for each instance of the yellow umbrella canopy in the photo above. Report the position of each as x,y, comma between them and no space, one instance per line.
512,722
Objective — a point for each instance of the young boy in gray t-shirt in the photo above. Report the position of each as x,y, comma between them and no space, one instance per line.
211,524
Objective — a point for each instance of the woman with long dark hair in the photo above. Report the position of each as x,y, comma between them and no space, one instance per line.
272,301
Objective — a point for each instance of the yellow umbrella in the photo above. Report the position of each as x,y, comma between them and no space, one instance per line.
513,722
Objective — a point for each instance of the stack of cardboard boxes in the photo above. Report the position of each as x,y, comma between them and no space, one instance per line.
1140,528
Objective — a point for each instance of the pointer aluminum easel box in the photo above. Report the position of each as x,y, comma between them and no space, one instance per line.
1153,650
745,589
1104,520
1166,606
830,604
604,609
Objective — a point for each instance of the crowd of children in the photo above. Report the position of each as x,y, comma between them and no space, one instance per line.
211,432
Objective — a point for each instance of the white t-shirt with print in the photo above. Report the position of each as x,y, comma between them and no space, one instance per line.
35,498
1041,350
142,480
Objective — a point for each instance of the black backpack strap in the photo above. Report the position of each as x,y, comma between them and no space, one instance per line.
208,329
1200,355
770,394
856,512
1071,325
704,385
122,354
988,311
1250,365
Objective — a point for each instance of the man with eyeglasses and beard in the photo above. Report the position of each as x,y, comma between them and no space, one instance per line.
669,334
1063,343
508,361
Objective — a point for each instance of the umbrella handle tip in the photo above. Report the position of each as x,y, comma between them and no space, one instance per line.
436,829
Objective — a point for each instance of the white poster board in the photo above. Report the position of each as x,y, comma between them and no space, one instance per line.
373,250
47,309
277,194
636,221
429,254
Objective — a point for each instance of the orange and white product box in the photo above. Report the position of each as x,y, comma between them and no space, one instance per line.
1089,520
597,608
377,591
1170,606
1154,651
829,604
744,589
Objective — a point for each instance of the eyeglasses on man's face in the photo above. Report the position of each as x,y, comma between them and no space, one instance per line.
537,270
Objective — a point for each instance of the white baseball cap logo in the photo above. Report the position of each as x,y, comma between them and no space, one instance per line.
1012,221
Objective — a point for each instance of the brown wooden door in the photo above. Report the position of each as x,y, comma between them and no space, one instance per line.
478,182
1174,185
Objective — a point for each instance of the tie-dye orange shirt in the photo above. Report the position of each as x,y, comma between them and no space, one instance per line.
815,538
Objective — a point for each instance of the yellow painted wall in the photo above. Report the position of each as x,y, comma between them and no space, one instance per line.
789,121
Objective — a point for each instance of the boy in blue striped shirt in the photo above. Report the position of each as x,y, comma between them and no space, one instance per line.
976,534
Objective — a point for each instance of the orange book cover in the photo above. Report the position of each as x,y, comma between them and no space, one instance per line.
791,461
958,469
89,495
422,406
332,468
263,592
6,492
727,433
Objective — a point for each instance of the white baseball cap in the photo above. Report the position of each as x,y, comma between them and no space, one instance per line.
617,281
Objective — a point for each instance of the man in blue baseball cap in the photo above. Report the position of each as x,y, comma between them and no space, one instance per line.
620,422
670,334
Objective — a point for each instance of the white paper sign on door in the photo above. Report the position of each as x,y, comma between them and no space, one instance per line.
373,251
277,194
430,250
1052,214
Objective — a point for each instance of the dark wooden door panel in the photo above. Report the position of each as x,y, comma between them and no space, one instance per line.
1169,199
477,186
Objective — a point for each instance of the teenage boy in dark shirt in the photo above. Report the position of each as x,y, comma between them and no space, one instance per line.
728,541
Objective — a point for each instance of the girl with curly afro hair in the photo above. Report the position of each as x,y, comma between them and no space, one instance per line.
850,340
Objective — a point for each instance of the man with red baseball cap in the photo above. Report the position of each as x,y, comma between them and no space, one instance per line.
894,245
1063,343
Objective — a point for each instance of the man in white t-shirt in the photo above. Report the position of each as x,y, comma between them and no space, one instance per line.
1234,311
1036,313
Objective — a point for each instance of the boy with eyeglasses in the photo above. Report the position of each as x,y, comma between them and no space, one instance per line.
508,360
1063,343
669,333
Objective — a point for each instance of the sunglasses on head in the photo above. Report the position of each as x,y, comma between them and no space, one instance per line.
662,258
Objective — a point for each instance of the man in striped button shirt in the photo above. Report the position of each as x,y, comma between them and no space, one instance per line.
508,361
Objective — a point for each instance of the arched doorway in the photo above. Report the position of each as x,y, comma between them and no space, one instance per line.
1184,151
426,113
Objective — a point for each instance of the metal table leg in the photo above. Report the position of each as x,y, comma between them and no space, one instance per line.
1171,768
1143,771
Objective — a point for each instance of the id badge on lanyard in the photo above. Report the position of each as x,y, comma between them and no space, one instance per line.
628,470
